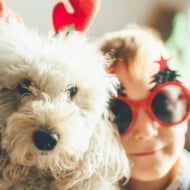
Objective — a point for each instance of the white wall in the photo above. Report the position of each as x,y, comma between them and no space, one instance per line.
113,14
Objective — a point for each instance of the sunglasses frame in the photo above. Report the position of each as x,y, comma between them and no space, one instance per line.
146,105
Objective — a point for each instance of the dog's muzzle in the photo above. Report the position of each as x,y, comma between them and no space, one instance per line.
45,140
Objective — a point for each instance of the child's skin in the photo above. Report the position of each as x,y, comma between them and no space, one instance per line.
153,150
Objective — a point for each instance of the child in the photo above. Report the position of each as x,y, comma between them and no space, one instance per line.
150,111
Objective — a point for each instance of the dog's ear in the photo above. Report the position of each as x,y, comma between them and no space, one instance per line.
109,157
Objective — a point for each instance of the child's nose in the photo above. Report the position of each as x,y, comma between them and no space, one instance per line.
144,127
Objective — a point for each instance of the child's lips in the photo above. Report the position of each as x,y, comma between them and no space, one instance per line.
146,152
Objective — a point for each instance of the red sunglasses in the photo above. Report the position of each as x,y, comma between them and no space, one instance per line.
168,104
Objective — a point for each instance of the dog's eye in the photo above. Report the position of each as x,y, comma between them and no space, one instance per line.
23,87
71,91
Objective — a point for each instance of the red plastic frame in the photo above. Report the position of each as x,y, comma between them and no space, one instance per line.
146,104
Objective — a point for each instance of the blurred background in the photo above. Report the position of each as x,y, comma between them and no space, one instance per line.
113,14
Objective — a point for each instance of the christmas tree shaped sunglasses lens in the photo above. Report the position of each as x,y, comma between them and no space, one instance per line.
168,104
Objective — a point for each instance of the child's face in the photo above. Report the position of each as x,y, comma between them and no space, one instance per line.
152,149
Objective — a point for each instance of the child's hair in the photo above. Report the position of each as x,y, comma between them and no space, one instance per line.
133,45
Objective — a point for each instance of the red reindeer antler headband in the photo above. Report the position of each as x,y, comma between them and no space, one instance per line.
2,5
78,14
4,14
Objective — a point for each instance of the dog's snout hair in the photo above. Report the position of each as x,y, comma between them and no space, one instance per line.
55,134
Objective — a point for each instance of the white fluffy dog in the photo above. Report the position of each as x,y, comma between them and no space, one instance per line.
53,98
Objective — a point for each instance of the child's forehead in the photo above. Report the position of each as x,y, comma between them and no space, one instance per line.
136,81
144,67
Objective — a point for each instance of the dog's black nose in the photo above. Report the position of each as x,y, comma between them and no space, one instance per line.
45,140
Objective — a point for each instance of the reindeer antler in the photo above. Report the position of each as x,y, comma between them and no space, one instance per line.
4,15
2,8
76,13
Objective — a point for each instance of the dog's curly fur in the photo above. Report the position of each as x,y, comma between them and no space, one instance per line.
53,99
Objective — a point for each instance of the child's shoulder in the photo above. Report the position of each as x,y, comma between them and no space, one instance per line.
185,160
185,171
182,180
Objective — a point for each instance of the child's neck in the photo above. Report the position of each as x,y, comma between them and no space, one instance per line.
148,185
159,184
